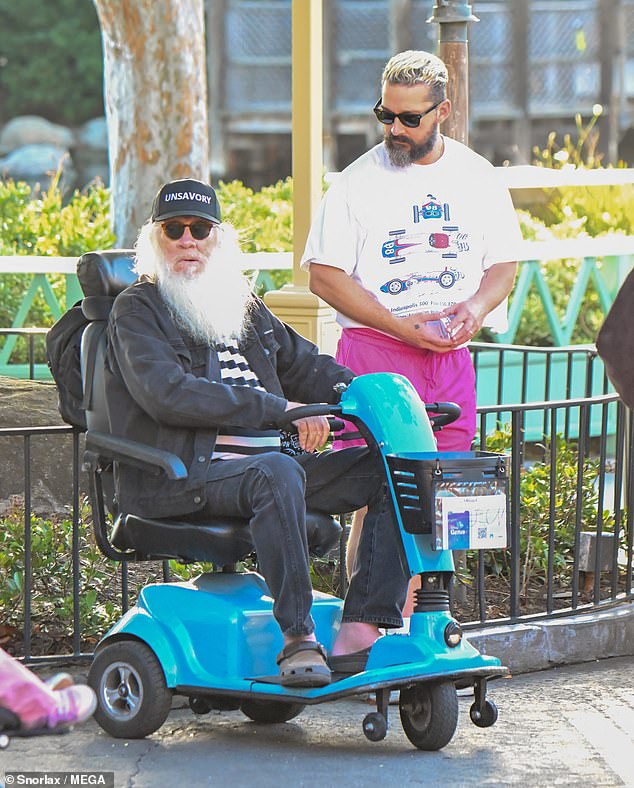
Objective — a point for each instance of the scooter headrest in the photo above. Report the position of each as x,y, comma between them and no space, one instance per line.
106,273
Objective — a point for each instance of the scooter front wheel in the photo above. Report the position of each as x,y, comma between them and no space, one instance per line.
429,714
271,711
132,697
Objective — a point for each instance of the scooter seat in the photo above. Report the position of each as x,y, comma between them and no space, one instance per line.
221,541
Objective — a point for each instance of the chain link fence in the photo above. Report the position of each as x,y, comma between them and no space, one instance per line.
562,44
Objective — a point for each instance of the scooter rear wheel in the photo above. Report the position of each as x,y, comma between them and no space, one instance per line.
132,697
429,714
271,711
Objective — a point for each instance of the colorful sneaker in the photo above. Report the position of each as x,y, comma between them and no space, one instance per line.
59,681
74,704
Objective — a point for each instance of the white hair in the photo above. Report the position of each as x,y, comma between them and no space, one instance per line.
212,306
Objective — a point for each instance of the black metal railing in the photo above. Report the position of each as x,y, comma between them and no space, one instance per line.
30,335
594,478
588,475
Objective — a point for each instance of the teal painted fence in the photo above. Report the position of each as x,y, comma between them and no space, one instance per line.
507,374
55,280
514,374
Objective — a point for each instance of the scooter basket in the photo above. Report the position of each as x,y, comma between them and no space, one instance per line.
459,498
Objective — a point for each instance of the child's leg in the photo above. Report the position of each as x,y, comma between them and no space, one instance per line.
36,703
23,693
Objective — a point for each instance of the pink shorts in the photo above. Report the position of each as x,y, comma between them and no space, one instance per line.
437,377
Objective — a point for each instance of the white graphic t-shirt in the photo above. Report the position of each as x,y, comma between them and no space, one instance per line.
418,237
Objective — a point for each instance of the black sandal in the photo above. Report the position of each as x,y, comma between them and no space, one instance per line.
354,662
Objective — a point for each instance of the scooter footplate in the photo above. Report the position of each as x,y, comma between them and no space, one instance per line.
270,688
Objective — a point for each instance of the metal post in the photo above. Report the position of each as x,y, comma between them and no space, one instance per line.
612,34
453,19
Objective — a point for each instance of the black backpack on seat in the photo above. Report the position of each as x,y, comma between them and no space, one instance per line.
63,340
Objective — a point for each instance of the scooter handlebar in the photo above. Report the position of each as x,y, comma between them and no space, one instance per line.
318,409
443,413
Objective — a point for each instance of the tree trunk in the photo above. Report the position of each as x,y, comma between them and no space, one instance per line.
156,101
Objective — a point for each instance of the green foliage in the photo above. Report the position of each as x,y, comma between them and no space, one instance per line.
50,60
571,212
535,500
535,497
591,210
52,582
560,275
581,152
264,219
42,224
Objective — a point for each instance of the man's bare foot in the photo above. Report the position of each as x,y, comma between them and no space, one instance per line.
354,636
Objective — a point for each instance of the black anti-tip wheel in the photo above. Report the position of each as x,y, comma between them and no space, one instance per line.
485,718
271,711
199,705
132,697
375,726
429,713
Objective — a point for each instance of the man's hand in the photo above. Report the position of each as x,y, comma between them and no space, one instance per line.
466,320
419,330
467,316
312,431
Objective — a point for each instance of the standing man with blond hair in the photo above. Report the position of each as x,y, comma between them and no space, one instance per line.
414,246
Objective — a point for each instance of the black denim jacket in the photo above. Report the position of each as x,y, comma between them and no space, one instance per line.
164,389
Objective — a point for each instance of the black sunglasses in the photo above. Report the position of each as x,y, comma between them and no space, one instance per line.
410,119
175,230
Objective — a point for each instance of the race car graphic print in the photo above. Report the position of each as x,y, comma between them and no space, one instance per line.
446,278
400,245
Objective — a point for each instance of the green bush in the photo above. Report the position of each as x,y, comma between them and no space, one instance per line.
560,276
571,212
50,60
42,224
264,218
535,482
52,582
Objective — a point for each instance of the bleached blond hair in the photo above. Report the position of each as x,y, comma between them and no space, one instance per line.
415,67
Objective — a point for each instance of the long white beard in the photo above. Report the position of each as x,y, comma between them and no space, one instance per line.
214,305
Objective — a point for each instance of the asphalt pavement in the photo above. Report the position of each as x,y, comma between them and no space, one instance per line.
572,725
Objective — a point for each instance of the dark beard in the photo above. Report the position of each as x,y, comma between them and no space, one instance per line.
407,153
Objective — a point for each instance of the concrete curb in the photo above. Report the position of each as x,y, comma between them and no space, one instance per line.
561,641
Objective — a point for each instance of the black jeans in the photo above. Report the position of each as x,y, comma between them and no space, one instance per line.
273,490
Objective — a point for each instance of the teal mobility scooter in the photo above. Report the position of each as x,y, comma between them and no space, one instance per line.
214,639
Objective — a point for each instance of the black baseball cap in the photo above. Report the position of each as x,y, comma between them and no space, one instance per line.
187,197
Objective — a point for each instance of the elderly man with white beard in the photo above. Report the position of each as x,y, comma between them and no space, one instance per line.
197,365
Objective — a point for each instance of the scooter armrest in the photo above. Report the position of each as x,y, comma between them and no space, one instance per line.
140,455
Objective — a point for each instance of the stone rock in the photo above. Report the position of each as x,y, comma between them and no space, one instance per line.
34,161
36,164
30,403
94,134
90,155
34,130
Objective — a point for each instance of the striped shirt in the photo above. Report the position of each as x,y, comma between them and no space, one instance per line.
236,442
